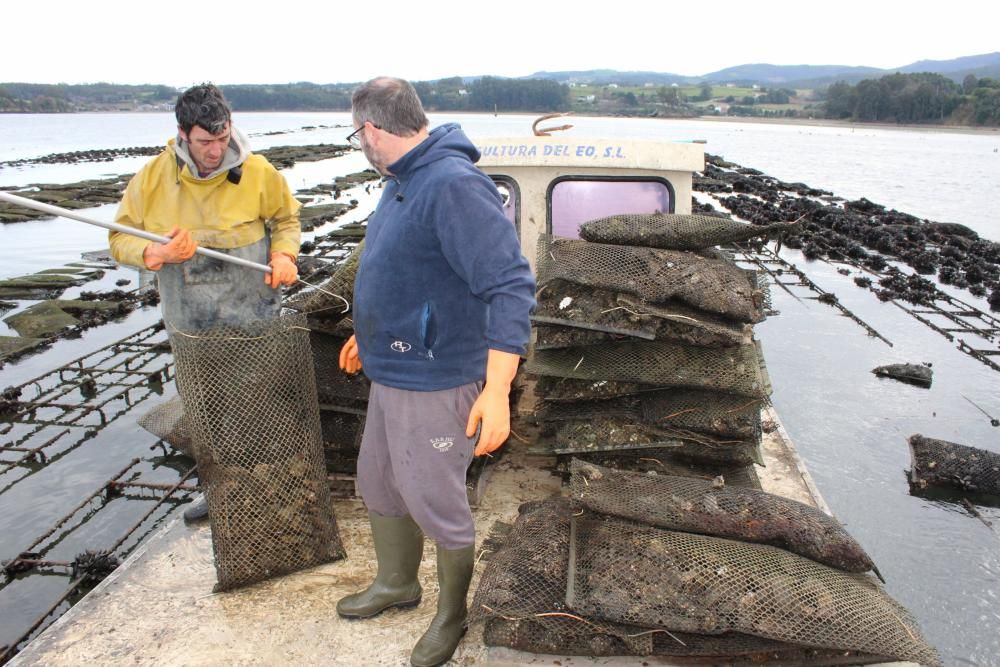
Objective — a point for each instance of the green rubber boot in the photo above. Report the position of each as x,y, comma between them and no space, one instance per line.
441,639
399,547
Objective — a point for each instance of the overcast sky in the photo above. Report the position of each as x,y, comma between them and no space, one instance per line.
281,41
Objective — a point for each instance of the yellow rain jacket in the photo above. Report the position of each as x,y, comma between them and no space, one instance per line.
219,214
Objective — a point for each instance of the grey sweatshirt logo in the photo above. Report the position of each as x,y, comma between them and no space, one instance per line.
442,444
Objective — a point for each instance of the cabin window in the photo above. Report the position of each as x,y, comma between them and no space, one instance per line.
511,199
575,200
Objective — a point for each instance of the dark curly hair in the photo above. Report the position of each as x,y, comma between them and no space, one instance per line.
205,106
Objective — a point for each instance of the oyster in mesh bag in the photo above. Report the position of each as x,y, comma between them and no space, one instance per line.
677,231
714,508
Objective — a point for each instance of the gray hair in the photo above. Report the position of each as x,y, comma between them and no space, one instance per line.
390,104
204,106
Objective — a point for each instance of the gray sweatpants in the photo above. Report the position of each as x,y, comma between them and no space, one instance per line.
414,456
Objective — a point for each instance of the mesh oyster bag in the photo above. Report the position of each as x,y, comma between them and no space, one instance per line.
550,337
599,310
661,462
697,506
942,463
336,295
724,415
677,231
734,370
333,386
607,433
250,399
566,390
657,578
521,601
167,422
655,276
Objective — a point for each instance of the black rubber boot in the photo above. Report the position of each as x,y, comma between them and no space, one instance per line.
441,639
197,512
399,547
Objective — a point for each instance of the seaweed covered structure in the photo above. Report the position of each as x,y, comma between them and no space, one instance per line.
250,402
941,463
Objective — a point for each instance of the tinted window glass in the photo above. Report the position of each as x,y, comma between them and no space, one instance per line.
577,201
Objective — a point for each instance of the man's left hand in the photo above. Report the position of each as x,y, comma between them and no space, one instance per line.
283,270
492,410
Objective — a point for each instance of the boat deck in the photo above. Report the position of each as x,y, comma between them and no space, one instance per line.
158,608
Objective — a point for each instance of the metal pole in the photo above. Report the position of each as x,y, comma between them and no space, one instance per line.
114,226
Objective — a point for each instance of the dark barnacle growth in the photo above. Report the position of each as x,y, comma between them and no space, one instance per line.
23,563
995,299
94,566
88,387
8,399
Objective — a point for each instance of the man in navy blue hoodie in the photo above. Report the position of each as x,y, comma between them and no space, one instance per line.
442,301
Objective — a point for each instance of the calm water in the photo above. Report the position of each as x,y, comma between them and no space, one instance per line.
850,427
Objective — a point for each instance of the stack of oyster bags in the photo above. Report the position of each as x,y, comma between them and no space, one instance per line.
644,348
343,398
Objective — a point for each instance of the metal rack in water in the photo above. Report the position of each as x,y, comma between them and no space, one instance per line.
958,320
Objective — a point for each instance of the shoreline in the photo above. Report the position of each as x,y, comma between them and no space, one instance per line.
829,122
814,122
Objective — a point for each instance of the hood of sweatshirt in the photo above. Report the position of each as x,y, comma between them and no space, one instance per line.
448,140
236,154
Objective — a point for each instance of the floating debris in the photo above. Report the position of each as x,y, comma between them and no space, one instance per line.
918,374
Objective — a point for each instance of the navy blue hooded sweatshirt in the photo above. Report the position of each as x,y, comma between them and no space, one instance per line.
442,279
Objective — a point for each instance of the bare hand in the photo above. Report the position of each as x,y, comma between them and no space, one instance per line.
283,270
180,249
492,411
350,362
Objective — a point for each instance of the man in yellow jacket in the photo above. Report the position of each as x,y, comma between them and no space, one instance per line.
207,188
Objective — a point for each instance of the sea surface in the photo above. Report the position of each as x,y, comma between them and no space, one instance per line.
849,426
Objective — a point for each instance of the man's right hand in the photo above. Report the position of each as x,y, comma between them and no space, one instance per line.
350,362
180,249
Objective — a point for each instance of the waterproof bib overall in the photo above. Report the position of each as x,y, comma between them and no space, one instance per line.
203,292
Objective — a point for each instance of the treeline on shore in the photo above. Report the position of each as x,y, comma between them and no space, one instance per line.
901,98
917,98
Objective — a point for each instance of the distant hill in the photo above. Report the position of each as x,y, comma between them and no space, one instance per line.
601,77
789,76
785,74
965,63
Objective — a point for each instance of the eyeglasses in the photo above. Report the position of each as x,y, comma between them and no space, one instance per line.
354,138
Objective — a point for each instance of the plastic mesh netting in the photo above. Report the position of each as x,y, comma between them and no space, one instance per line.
521,598
566,390
662,462
250,399
609,433
332,386
942,463
599,310
713,508
676,231
167,422
724,415
655,276
734,370
333,300
707,585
